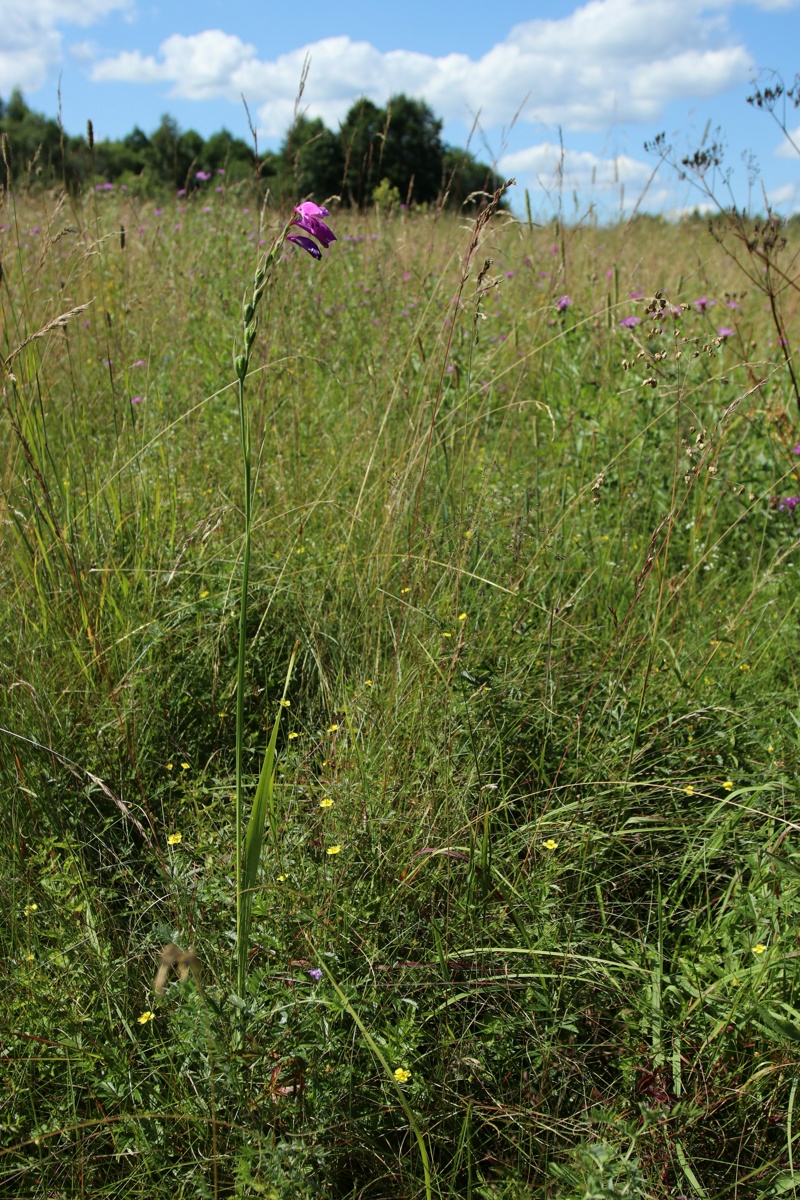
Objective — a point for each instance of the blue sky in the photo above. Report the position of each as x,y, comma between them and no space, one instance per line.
608,73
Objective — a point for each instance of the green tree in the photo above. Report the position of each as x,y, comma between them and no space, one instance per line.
412,152
312,161
362,134
467,181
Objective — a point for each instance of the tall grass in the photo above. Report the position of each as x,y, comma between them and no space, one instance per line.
525,920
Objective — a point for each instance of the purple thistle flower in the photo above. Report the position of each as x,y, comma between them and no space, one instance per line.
703,303
315,973
310,217
202,176
137,399
724,332
140,362
630,322
796,449
563,302
788,503
637,295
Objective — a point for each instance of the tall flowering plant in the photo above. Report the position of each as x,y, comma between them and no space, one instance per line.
316,236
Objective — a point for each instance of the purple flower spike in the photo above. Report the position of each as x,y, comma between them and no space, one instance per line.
630,322
315,973
310,217
307,244
563,302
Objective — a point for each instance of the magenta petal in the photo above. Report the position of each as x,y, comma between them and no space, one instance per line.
315,227
309,209
307,244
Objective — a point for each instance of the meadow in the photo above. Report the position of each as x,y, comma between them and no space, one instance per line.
524,919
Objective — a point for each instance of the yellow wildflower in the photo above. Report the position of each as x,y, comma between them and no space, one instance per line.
293,735
550,844
759,948
462,616
689,789
326,803
145,1017
332,728
728,785
402,1075
333,849
174,839
286,704
30,908
185,766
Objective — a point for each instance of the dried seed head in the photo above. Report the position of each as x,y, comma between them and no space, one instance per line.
90,134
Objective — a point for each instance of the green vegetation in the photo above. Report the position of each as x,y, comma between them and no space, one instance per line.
399,145
525,921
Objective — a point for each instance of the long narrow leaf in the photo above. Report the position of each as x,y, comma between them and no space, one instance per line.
263,804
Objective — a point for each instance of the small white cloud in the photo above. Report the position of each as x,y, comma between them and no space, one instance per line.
84,52
790,146
785,197
602,63
31,41
577,170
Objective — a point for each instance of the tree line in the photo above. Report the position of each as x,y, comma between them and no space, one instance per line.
393,155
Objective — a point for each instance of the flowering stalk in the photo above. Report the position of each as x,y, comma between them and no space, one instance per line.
309,217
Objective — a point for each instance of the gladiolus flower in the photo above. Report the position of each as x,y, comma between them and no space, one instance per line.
310,217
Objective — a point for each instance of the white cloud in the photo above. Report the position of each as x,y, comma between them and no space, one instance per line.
785,196
608,61
789,148
30,41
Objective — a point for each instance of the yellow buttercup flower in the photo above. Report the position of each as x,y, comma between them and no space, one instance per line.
332,728
689,789
333,849
30,908
402,1075
174,839
462,616
286,704
185,766
326,803
728,785
759,948
145,1017
293,735
550,844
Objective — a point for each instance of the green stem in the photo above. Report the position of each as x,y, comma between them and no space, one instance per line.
244,427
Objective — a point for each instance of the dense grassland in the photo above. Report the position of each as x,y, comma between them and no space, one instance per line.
526,921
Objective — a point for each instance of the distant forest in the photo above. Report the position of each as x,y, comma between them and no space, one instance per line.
393,155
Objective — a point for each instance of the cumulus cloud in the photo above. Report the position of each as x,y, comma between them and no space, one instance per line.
602,63
575,169
789,146
30,41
